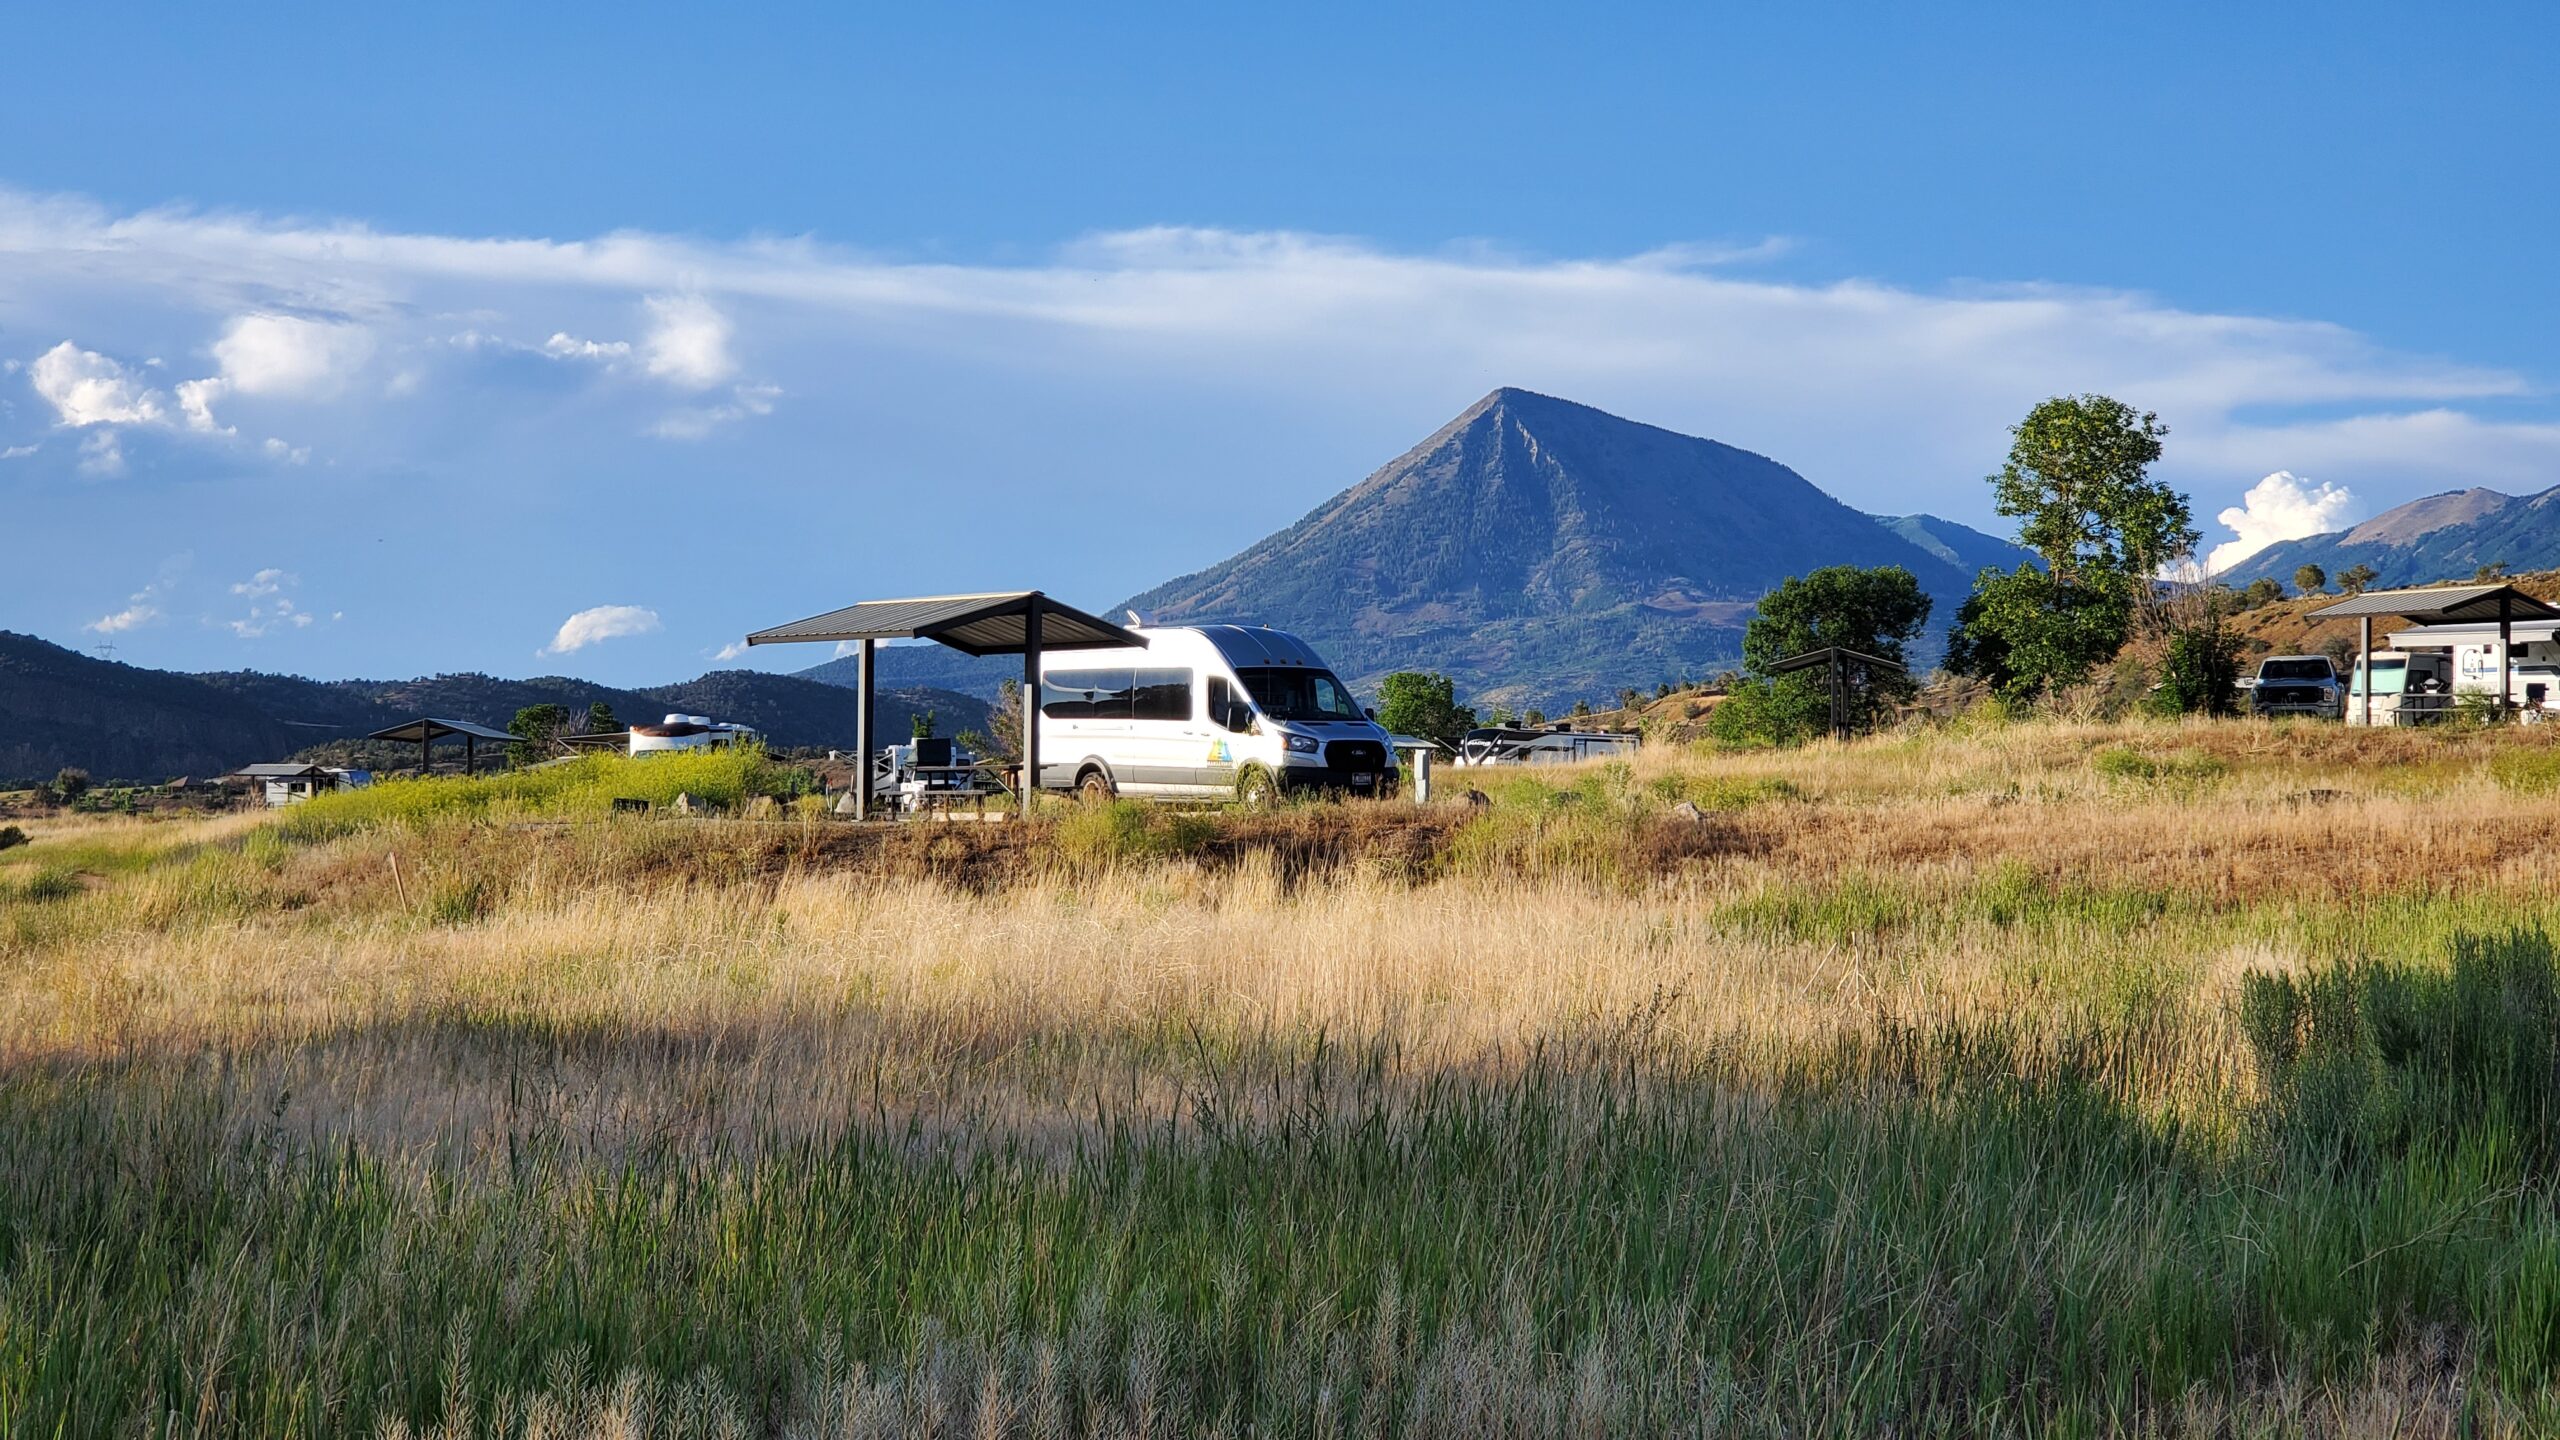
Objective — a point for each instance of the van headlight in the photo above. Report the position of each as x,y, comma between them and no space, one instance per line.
1299,744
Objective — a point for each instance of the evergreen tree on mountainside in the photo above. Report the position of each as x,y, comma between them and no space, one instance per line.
1874,611
2078,481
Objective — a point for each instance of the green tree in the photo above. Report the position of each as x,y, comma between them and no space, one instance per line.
920,725
1877,612
2078,481
70,783
600,719
1419,703
2310,579
2494,570
535,728
2262,591
2355,578
2200,670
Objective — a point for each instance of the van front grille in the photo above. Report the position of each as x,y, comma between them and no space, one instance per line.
1355,755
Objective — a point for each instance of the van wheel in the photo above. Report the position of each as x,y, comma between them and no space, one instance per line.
1094,788
1256,789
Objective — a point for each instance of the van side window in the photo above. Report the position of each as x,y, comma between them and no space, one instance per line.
1160,695
1220,698
1085,695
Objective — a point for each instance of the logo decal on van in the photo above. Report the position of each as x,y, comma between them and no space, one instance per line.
1218,753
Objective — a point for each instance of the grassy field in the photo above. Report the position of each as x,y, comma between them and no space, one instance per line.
2004,1080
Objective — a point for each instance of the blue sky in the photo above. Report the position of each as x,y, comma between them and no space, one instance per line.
347,344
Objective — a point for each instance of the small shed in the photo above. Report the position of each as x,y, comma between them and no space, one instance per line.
425,731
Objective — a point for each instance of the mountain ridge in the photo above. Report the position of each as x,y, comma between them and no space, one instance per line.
1540,549
2451,534
61,708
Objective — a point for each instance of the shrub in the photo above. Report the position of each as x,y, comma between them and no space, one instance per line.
51,883
2124,764
582,788
11,837
2528,772
1126,830
2369,1060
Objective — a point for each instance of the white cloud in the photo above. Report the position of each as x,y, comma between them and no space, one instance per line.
86,388
102,455
19,452
270,608
142,609
695,422
196,398
689,345
564,346
730,651
604,622
1265,322
290,355
2282,506
265,582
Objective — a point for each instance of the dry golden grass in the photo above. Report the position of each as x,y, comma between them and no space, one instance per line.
665,1004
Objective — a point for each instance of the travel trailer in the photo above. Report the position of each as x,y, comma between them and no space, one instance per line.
688,732
1558,745
2410,687
1205,712
2533,660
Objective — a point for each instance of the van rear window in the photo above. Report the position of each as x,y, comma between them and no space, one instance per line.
1116,694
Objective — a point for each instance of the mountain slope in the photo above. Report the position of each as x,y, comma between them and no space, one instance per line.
2441,537
59,707
1543,550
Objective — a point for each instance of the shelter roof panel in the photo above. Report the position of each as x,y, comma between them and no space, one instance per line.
2442,604
428,729
988,624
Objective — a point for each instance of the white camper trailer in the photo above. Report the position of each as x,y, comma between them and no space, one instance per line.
2533,660
688,732
1205,712
2409,687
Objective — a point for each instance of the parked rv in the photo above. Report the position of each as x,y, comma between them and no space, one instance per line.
2409,687
1558,745
1202,712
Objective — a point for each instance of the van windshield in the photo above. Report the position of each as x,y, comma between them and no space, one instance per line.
1294,694
2389,677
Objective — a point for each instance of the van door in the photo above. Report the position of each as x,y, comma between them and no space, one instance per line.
1082,713
1213,754
1163,715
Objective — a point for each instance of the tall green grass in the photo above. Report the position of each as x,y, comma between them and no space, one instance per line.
1928,1230
584,788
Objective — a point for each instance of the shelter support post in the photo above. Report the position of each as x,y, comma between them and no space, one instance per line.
426,753
1030,705
1422,776
470,754
2506,620
862,736
2364,668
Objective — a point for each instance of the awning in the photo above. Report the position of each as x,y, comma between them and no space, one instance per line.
2443,604
280,770
426,730
992,624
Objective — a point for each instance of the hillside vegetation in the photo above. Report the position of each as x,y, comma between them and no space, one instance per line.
1981,1079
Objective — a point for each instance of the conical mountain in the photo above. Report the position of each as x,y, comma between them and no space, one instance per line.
1542,550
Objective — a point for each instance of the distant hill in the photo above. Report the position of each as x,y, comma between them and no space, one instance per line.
1542,550
59,707
2440,537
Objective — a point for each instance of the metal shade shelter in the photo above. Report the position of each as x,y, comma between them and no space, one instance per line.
2438,605
1007,622
1835,660
425,731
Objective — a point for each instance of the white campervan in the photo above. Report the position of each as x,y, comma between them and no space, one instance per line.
1205,712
